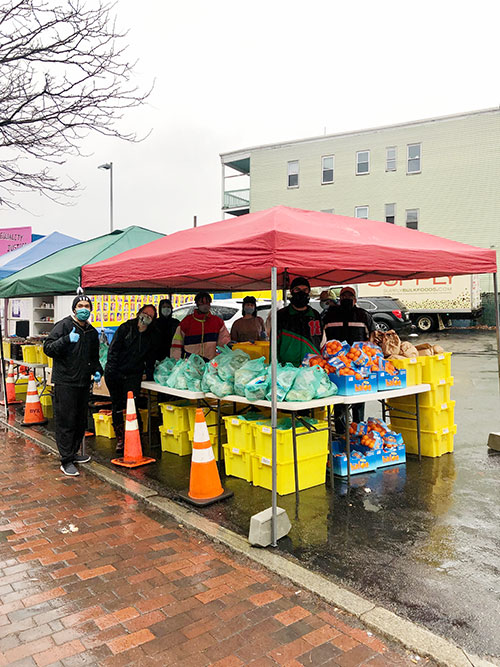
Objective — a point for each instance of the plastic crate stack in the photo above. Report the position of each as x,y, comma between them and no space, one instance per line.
248,453
104,425
436,409
177,428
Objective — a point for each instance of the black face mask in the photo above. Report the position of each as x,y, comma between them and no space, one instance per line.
300,299
348,304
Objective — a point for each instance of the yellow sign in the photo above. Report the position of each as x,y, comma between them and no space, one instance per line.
113,310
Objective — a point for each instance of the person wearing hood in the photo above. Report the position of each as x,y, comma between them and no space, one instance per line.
352,324
73,344
250,327
201,332
166,326
299,325
132,355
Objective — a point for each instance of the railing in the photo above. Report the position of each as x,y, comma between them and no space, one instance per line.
237,199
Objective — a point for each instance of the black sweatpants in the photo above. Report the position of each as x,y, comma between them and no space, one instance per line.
118,390
70,411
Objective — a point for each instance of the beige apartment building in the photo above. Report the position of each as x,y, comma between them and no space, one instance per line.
438,175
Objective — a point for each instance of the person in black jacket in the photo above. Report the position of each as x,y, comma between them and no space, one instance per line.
73,343
132,353
166,326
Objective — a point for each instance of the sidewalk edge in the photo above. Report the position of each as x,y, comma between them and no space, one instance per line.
412,636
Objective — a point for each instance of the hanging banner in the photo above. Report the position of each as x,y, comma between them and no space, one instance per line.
113,310
14,237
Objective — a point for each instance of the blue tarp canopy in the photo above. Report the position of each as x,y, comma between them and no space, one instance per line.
28,254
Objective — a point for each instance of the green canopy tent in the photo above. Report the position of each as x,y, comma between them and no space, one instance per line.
60,272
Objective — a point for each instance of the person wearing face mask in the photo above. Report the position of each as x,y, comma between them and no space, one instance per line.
326,299
299,326
352,324
131,357
73,344
250,327
166,326
201,332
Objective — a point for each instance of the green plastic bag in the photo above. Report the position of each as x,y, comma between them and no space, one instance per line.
247,372
305,385
162,371
284,380
325,386
228,363
177,378
256,389
103,354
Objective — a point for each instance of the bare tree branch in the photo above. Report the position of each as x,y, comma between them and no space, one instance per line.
63,73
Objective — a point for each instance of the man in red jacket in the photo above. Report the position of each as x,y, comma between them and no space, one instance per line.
201,332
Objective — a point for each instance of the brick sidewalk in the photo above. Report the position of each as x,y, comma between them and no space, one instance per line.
89,577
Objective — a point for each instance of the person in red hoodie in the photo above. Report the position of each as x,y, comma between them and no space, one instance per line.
201,332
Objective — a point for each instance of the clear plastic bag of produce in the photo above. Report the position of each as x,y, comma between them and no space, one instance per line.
256,389
325,386
162,371
228,362
220,387
305,385
195,367
177,378
284,380
248,371
209,375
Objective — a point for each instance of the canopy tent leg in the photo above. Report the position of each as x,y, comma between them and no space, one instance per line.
274,400
494,437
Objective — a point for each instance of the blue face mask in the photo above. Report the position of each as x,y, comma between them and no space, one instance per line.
82,314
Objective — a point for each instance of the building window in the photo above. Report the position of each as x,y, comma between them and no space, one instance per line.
327,210
327,167
412,218
362,162
361,212
390,160
414,154
293,174
390,213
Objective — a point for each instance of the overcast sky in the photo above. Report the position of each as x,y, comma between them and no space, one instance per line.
232,74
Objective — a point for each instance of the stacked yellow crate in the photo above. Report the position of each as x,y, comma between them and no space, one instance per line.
103,423
240,445
174,431
436,409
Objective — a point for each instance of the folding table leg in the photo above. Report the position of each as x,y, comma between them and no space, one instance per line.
330,453
347,418
295,462
417,410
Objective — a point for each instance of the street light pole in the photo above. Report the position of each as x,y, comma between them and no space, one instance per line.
109,167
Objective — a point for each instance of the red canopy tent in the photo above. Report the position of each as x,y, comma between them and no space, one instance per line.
252,251
328,249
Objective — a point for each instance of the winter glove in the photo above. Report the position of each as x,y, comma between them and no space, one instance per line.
97,377
73,336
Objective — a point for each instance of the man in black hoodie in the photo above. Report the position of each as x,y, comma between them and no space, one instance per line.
166,326
73,343
132,354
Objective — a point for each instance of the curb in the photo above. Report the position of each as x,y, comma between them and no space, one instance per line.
412,636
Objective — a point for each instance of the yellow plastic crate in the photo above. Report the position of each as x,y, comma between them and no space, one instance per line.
413,368
46,403
439,394
29,353
311,444
21,387
175,442
240,433
41,357
103,425
175,417
436,368
144,418
432,443
311,470
6,349
50,361
431,418
255,350
238,462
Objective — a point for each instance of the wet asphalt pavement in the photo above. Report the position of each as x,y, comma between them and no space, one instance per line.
424,541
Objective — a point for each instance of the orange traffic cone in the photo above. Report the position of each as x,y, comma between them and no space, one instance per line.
204,482
33,413
11,388
133,450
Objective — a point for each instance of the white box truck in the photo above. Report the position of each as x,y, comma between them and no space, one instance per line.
432,302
